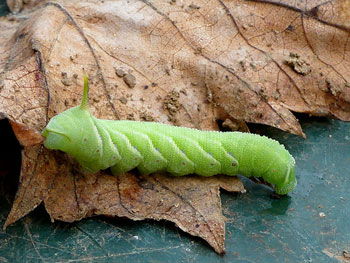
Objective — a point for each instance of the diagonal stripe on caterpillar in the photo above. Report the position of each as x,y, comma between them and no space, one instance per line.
123,145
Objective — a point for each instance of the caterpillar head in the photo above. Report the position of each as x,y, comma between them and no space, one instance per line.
74,132
275,165
288,182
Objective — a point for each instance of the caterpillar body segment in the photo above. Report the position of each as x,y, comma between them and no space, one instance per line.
130,157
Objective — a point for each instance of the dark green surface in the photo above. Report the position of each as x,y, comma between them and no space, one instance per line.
260,229
3,8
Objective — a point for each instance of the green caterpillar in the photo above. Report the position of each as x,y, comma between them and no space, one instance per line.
123,145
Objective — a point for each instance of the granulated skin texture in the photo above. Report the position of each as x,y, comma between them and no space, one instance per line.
124,145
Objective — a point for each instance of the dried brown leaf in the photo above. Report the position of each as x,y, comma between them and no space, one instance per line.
192,203
25,136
